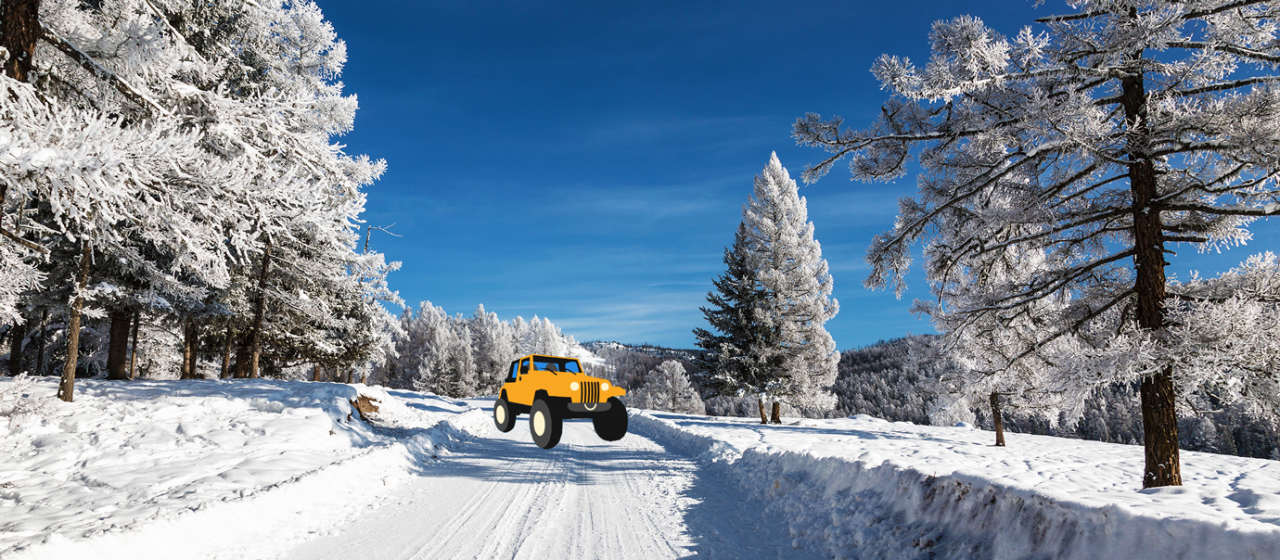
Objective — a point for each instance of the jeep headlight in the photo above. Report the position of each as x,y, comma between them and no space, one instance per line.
604,386
573,386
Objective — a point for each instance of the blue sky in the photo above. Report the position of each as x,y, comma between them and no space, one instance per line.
588,161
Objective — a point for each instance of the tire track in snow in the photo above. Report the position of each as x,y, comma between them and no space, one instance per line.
500,496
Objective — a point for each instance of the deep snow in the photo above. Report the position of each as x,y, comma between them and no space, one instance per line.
862,487
272,469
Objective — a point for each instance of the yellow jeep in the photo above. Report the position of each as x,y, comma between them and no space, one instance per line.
550,389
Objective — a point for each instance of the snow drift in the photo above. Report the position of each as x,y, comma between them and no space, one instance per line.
166,469
866,488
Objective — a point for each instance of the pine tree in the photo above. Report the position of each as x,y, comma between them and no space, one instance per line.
1114,132
796,298
730,369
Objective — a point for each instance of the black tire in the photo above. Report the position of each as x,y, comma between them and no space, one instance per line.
503,417
543,417
611,425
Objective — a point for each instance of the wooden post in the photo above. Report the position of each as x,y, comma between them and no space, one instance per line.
777,413
995,416
763,419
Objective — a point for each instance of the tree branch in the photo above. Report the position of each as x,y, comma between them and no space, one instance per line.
94,67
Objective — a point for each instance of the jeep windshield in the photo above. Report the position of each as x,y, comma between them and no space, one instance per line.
547,363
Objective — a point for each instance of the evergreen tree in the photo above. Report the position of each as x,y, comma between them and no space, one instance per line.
796,298
728,366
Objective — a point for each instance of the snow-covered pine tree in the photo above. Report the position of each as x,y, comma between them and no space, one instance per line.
796,297
730,368
667,388
1131,124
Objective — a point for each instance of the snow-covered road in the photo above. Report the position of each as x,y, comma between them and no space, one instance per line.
500,496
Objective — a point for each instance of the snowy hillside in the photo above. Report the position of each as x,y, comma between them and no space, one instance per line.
287,469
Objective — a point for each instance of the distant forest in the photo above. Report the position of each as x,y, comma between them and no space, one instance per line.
876,380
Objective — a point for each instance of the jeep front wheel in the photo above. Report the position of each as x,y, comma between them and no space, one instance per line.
611,424
503,418
544,424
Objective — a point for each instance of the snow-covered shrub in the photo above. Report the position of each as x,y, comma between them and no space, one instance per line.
18,399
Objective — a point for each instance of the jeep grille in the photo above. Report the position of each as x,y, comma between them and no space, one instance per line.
590,392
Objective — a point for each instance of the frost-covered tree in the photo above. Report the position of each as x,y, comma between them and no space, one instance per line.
974,356
494,346
462,356
668,388
796,297
178,149
1105,136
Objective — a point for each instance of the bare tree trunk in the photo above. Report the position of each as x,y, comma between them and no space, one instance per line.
996,416
226,354
350,373
17,333
19,30
67,387
777,413
259,308
118,345
315,373
44,326
190,346
133,356
1159,419
763,419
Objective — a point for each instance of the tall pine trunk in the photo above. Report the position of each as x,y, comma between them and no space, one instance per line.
118,345
998,418
1159,417
133,355
777,413
17,334
67,387
258,309
19,30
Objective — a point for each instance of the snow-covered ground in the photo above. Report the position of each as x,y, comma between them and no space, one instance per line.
863,487
274,469
192,469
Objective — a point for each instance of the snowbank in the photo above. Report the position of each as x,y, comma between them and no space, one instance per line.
169,469
866,488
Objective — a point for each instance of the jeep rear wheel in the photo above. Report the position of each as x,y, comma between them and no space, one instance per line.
503,417
611,424
544,425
